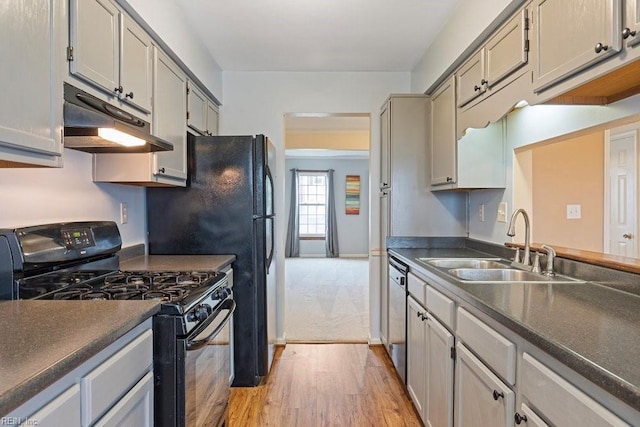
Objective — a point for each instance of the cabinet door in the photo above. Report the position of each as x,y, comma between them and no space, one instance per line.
481,399
95,40
470,79
632,22
417,355
212,119
439,405
385,147
572,35
443,134
507,51
169,117
64,410
30,132
384,300
136,64
528,417
197,109
135,409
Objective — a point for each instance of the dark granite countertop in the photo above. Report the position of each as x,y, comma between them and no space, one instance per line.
177,262
591,328
39,347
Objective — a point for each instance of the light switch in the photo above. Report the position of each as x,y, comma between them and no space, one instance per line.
124,213
502,212
574,211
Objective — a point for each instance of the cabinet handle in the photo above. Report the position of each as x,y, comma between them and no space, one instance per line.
129,95
497,394
628,235
476,88
161,170
449,179
628,32
600,47
484,82
119,89
520,418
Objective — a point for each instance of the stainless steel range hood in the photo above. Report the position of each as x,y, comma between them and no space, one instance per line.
90,124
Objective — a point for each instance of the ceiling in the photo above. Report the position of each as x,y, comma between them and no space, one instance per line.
317,35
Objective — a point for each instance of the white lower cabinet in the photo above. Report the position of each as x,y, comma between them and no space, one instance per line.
113,388
481,398
558,401
527,417
440,367
417,355
429,366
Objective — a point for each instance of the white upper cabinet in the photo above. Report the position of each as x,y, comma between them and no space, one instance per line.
501,56
111,52
470,79
197,109
202,116
443,134
136,65
169,123
169,117
573,35
31,102
631,30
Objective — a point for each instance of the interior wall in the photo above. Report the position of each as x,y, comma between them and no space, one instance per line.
353,230
468,23
46,195
168,21
531,125
570,172
255,102
352,140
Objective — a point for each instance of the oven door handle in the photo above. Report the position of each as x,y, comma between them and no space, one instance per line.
195,344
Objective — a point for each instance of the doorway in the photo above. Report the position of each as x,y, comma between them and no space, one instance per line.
326,275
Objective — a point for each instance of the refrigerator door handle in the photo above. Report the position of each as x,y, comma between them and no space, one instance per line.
270,256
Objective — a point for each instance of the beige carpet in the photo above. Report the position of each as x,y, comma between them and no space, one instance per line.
327,299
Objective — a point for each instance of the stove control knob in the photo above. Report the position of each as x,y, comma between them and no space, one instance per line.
202,312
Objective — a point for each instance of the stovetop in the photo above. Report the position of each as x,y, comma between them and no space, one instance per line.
173,288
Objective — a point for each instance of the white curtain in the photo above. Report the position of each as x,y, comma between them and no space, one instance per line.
331,238
292,246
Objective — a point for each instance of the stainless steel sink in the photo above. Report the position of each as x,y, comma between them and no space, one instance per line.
464,263
506,275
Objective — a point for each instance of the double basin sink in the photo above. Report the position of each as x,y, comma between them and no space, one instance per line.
475,270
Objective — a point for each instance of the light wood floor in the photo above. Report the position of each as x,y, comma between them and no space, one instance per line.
325,385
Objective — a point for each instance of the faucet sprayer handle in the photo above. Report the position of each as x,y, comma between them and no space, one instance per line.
551,254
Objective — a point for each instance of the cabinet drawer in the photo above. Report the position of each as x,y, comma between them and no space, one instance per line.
64,410
114,377
441,306
134,409
417,289
560,402
497,351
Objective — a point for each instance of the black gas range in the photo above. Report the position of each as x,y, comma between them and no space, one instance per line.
79,261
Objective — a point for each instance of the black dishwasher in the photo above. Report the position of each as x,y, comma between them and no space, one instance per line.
398,316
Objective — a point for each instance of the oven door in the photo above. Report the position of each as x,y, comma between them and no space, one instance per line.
207,369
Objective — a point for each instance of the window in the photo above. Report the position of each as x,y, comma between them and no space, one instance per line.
312,204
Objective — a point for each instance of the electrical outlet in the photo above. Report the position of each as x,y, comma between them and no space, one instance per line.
502,212
481,212
124,213
574,211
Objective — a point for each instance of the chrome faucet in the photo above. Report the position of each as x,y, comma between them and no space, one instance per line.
512,232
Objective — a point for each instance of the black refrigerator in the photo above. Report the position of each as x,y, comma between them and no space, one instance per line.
227,207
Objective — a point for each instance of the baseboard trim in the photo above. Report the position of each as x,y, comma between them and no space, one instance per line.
375,341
